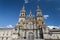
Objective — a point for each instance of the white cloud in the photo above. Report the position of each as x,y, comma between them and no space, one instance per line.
53,27
26,1
9,26
46,16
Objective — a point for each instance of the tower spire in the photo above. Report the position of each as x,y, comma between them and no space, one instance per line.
22,12
23,8
38,11
39,17
30,14
38,6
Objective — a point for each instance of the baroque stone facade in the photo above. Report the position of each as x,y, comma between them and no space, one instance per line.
29,24
30,28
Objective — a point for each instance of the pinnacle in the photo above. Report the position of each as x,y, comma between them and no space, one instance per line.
30,13
23,7
38,6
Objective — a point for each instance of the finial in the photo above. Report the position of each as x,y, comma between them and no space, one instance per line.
23,7
30,13
38,6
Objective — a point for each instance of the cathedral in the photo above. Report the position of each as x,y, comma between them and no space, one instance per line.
30,28
27,25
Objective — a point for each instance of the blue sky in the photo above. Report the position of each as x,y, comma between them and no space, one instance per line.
9,11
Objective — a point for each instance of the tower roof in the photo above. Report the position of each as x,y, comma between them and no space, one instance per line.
38,8
23,9
30,15
38,11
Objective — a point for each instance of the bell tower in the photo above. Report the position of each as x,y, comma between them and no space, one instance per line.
22,14
21,17
21,22
39,17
